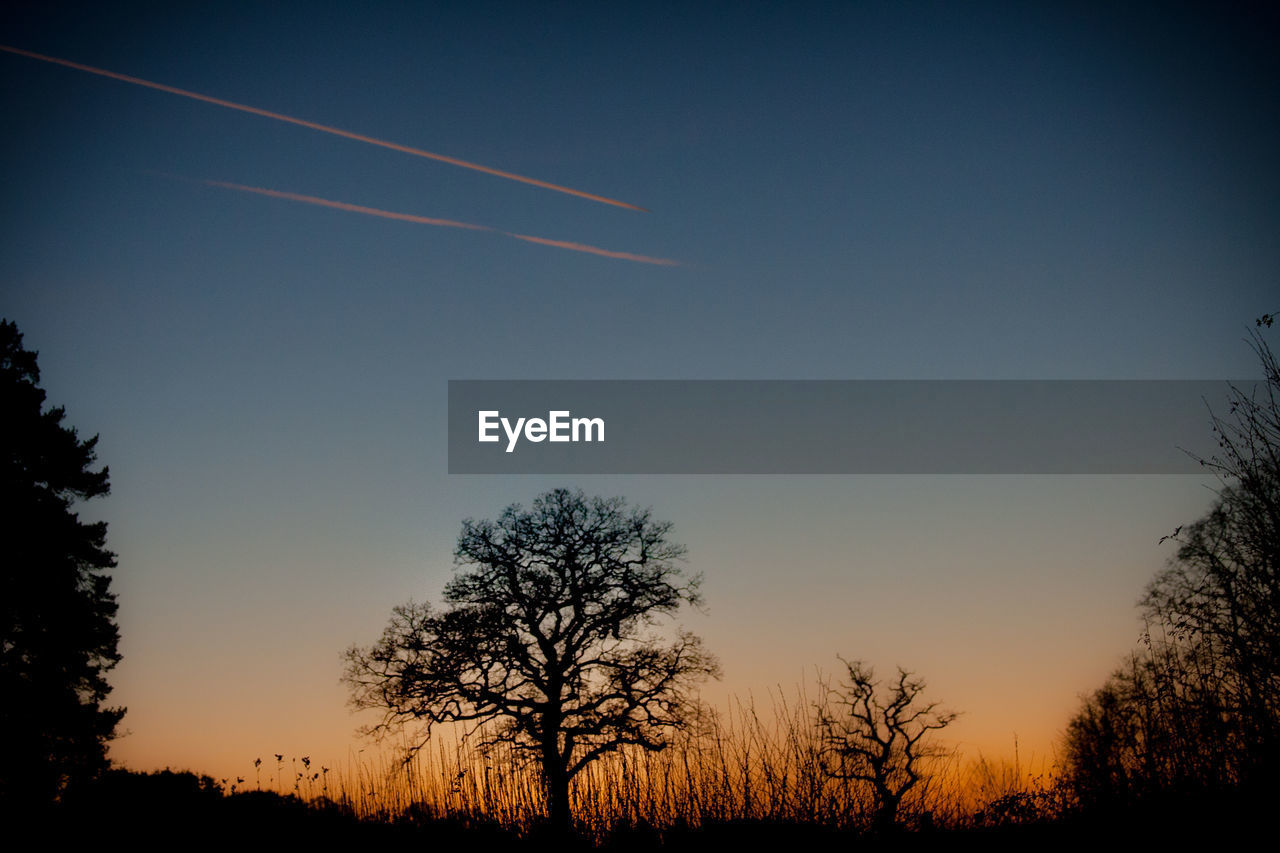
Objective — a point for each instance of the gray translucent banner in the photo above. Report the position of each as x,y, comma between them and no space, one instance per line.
832,427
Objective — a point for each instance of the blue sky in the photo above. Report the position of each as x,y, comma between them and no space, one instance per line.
910,191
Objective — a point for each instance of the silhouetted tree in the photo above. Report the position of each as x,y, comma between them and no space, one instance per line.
58,635
547,636
1222,590
1219,603
1199,706
880,736
1158,725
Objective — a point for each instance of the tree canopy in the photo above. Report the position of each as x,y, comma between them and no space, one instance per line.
550,634
58,637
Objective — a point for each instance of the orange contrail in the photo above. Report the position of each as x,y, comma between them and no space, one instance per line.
445,223
354,208
582,247
323,128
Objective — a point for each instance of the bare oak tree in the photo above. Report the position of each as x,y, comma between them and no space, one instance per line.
880,736
548,640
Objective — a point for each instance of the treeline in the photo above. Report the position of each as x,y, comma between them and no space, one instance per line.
1194,712
595,734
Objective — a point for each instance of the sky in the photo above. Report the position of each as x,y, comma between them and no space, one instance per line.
259,316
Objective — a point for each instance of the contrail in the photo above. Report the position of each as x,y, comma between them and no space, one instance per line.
582,247
444,223
354,208
323,128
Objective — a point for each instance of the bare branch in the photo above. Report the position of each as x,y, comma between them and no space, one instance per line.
876,735
548,631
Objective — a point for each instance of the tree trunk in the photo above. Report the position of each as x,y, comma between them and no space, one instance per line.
557,782
555,772
886,819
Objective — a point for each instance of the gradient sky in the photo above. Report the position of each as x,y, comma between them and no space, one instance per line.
906,191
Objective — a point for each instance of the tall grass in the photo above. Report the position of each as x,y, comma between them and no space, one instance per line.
743,763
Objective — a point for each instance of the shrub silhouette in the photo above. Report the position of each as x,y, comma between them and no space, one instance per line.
878,734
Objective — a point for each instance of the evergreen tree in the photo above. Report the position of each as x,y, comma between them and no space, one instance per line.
58,636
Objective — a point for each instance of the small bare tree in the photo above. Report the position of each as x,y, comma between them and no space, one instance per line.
879,736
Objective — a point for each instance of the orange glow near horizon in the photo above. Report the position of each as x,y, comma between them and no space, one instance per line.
372,777
323,128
